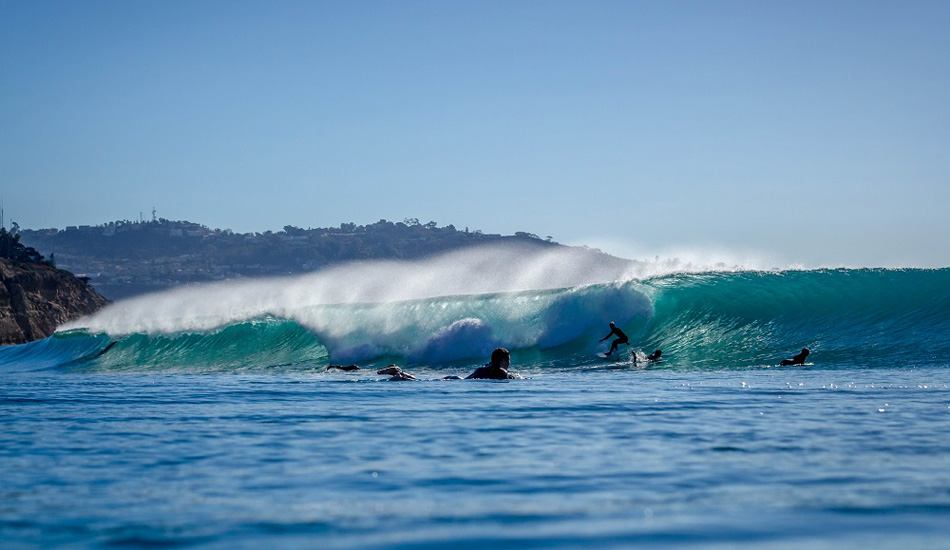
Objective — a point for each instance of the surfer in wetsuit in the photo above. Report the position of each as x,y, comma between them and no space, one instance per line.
497,368
398,375
796,360
621,338
652,358
347,368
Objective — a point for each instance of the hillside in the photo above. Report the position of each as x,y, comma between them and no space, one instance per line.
123,259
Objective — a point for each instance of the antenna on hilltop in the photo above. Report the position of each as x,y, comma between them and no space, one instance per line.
154,219
1,214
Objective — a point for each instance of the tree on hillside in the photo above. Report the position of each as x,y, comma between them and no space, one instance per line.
12,249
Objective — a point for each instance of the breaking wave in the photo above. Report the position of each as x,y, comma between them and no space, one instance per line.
550,309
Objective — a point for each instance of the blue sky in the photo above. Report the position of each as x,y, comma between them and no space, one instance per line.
811,133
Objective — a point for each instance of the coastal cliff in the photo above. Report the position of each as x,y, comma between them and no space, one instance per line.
37,298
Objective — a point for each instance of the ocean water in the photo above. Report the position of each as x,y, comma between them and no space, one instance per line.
204,418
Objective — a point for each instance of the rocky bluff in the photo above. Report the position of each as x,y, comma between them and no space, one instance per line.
37,298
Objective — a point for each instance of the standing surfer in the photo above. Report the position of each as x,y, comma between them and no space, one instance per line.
621,338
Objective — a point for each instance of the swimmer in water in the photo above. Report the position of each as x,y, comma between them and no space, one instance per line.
497,368
397,374
346,368
652,358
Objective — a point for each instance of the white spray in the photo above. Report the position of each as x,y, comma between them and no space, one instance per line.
338,303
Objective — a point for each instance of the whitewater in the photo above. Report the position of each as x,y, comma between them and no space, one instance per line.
205,416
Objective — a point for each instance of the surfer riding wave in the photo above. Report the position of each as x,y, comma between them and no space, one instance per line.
621,338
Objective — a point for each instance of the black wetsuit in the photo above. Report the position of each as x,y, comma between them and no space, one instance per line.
621,339
796,360
490,372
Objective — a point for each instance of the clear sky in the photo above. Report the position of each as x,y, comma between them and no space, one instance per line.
811,133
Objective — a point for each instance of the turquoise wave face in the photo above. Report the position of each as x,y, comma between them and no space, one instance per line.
710,320
865,316
260,345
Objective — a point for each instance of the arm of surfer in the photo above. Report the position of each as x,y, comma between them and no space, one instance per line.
397,374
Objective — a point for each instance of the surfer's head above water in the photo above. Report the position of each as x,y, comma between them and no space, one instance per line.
497,368
501,357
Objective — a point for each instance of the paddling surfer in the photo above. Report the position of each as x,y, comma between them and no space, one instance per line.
496,369
797,360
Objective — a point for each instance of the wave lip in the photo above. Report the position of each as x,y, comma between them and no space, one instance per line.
475,271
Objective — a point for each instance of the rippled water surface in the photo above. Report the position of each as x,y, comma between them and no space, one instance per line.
750,458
